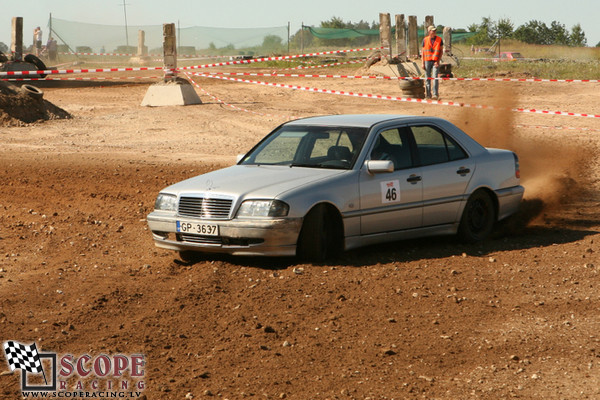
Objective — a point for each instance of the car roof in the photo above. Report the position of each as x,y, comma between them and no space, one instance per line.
357,120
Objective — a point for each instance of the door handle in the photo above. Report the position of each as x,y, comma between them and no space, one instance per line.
414,179
463,171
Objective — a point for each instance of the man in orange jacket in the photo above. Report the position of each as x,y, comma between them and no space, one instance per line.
433,47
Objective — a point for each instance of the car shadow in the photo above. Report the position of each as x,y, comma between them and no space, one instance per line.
518,232
448,246
429,248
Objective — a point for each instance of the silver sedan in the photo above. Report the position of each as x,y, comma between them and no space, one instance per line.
317,186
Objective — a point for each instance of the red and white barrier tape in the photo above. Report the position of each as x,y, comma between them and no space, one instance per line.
564,128
72,71
394,98
78,71
235,107
325,65
146,55
294,117
397,77
280,58
99,78
104,54
521,80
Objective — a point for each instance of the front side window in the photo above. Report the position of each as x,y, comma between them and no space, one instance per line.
393,144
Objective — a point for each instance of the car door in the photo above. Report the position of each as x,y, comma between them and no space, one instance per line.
446,171
391,201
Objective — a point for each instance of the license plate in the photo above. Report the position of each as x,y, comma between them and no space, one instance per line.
197,228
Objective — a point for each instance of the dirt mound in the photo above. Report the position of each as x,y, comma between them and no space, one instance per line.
25,105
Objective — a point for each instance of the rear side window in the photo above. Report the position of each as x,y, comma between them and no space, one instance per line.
435,147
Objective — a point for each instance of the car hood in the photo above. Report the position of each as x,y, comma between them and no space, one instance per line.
252,181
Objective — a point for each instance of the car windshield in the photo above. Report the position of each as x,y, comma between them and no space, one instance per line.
309,146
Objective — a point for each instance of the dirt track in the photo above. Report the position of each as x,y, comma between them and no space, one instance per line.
514,317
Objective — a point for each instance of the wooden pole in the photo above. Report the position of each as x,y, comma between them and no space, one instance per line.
16,45
428,23
170,52
447,40
141,47
385,34
413,38
401,37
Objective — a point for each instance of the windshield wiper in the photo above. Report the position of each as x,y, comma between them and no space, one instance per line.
320,165
305,165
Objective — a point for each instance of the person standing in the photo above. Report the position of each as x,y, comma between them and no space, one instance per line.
433,47
37,41
52,47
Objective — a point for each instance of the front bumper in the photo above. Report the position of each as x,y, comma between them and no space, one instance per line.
256,237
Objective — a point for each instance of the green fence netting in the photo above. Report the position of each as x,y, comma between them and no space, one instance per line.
338,33
111,37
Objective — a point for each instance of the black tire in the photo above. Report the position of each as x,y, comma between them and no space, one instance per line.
405,84
321,236
190,256
32,91
478,218
419,83
39,64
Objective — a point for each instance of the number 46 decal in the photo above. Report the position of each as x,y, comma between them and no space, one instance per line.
390,191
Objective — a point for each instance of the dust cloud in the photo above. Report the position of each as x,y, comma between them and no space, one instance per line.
552,170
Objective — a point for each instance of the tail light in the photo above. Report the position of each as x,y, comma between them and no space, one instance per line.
517,168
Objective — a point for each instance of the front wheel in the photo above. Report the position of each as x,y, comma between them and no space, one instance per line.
321,236
190,256
478,218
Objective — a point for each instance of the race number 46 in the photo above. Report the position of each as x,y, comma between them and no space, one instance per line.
390,191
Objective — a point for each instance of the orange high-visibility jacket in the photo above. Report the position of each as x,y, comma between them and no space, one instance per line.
432,52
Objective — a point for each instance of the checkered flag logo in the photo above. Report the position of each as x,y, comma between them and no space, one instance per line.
23,357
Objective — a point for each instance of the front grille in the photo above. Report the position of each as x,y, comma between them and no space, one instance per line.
198,239
200,207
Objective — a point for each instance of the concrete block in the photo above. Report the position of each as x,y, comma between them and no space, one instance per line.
170,94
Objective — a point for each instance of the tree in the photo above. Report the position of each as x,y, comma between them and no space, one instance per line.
533,32
334,22
272,43
558,34
536,32
483,32
3,47
503,28
577,37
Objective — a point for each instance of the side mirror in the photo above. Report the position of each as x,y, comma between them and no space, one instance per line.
239,158
378,166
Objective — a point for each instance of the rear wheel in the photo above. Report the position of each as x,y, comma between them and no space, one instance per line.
321,236
478,218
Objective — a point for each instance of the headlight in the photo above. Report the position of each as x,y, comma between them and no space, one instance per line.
166,202
263,208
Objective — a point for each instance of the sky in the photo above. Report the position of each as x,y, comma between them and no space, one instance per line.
268,13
